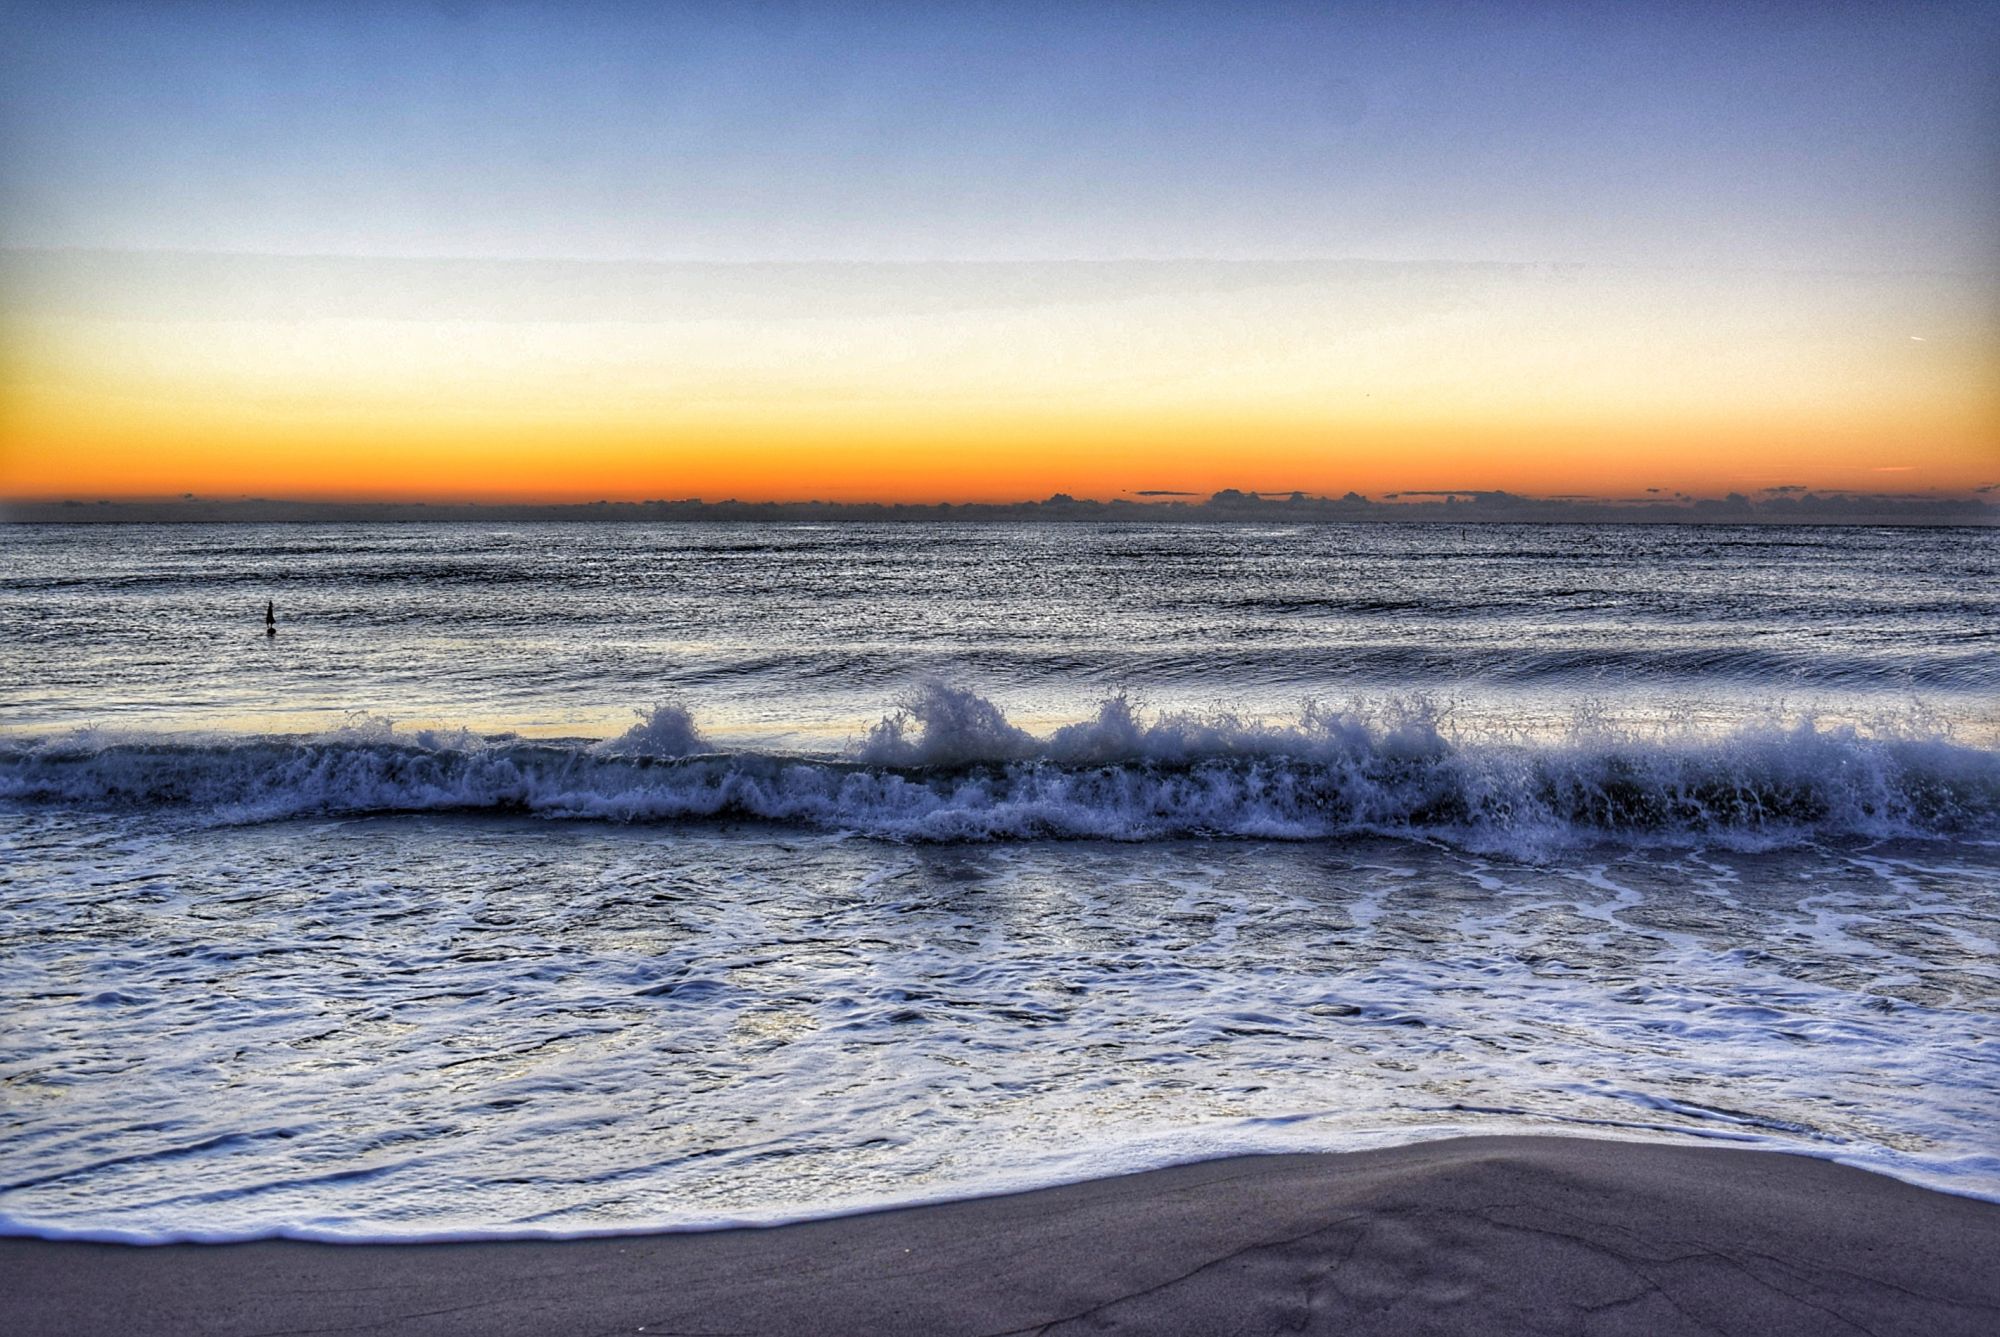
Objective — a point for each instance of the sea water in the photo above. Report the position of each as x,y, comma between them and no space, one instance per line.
570,878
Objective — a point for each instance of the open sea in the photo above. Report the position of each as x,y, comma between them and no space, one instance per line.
571,878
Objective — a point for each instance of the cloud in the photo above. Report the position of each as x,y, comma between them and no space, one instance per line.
1790,504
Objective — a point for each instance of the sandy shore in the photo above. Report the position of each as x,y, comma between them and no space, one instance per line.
1474,1235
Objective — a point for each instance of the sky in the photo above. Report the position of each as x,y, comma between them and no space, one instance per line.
987,252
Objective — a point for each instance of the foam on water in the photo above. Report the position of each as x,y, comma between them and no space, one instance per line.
948,765
451,1026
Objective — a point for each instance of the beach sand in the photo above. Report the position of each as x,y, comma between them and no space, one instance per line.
1465,1236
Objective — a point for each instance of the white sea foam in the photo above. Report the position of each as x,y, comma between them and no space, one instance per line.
434,1028
663,731
947,765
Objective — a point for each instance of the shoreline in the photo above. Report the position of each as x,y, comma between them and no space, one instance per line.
972,1191
1460,1235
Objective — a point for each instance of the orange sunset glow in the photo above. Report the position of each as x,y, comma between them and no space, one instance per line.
956,383
961,256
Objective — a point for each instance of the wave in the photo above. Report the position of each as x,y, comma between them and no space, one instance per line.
950,766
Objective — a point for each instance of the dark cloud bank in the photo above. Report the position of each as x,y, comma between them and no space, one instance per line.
1779,505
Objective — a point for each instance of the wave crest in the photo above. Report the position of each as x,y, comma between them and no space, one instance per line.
948,766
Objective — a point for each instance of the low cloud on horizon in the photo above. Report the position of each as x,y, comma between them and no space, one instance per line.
1785,504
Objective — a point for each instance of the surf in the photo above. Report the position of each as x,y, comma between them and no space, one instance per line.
948,765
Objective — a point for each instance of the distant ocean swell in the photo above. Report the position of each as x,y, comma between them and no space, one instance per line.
950,767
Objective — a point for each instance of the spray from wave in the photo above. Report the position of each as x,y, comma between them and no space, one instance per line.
949,766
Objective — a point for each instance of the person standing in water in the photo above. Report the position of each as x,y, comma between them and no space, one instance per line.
270,617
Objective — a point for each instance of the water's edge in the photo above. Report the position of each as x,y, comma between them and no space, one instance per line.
1001,1187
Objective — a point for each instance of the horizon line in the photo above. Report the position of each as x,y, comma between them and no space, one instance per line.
1781,504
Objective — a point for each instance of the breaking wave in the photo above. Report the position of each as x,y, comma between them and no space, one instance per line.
949,766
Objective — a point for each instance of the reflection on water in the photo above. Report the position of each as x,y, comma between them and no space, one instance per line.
801,633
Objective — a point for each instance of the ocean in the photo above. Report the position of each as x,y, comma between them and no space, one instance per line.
577,878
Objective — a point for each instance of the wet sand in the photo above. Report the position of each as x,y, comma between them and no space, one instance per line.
1467,1236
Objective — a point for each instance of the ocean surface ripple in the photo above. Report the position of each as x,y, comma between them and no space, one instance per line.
941,860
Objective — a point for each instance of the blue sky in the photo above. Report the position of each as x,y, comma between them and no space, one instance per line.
1744,245
1786,136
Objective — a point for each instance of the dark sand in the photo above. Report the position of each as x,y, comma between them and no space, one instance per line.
1474,1235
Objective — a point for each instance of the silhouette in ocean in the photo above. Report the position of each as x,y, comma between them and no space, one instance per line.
270,617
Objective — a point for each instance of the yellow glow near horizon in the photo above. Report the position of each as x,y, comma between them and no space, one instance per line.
1594,383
